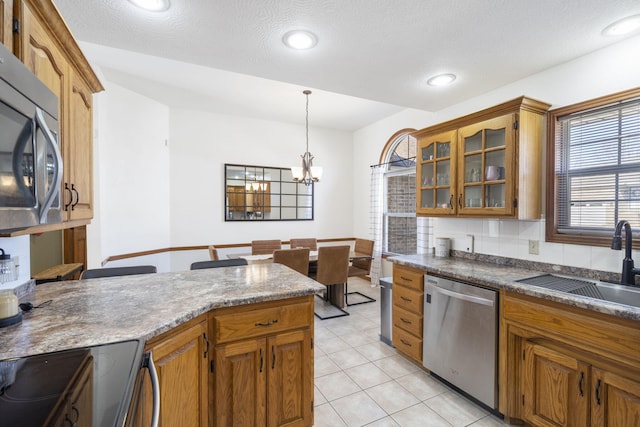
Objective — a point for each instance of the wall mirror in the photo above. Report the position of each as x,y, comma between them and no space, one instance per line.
264,193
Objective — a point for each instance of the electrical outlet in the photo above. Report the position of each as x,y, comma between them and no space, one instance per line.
534,247
469,243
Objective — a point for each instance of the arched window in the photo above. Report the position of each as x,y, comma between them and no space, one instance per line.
399,224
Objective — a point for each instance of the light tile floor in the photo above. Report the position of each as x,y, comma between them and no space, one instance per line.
360,381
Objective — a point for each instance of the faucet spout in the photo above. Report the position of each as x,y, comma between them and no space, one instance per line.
628,269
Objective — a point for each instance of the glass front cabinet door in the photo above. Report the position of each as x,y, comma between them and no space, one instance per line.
437,177
486,161
487,164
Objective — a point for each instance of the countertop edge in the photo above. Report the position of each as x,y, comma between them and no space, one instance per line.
505,277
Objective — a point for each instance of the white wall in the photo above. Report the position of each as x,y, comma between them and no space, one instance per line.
202,142
132,209
609,70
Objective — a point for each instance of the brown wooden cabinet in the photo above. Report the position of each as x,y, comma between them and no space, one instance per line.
47,48
263,364
407,311
6,22
181,360
565,366
486,164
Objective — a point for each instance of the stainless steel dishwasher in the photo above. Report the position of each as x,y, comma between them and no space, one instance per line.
460,336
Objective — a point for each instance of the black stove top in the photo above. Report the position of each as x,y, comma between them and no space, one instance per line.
86,387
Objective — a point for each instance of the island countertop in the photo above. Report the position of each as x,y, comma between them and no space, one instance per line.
84,313
501,276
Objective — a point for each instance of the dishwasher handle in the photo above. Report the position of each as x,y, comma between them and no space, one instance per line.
464,297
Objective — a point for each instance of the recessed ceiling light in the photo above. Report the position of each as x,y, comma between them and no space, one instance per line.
441,80
623,26
300,39
152,5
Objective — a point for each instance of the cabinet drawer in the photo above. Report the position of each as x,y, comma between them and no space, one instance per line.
407,344
408,321
261,321
406,298
410,278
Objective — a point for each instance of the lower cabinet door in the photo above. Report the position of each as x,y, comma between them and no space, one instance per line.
240,383
182,367
290,375
615,400
555,388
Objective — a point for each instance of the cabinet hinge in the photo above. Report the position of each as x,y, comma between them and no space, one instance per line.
211,366
515,125
522,354
16,26
312,406
311,343
515,203
523,400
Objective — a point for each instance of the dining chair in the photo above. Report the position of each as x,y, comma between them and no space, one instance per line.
117,271
264,247
333,269
213,253
310,242
297,259
360,267
233,262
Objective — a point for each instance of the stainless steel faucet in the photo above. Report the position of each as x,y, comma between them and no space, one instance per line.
628,271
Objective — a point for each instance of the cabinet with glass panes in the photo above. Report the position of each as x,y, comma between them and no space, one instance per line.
486,164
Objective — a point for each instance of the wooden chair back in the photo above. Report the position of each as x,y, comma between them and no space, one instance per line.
200,265
333,264
118,271
213,253
297,259
363,246
264,247
309,242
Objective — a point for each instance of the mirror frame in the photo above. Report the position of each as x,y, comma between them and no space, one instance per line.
248,188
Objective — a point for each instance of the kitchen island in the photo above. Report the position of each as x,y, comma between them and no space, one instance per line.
563,358
196,323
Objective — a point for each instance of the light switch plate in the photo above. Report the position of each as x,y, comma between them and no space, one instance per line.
534,247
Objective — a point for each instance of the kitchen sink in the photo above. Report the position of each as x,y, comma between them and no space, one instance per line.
620,294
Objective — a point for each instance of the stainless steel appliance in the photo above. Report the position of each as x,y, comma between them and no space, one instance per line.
460,336
98,383
30,160
386,301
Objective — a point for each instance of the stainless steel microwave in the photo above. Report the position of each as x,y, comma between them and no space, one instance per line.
30,159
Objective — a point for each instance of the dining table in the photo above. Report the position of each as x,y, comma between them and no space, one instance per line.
336,296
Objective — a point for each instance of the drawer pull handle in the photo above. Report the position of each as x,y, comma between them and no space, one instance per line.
598,384
405,320
260,360
405,343
273,322
406,299
406,279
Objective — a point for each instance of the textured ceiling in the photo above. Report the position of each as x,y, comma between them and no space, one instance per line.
376,50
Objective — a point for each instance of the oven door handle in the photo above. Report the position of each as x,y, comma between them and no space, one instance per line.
51,140
155,387
464,297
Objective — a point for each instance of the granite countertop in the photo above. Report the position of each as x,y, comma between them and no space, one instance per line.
500,276
84,313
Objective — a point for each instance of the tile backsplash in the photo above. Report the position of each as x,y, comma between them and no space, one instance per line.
511,239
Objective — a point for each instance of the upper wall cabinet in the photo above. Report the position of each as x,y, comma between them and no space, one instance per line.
486,164
6,21
47,48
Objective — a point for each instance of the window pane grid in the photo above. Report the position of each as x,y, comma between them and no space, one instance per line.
598,167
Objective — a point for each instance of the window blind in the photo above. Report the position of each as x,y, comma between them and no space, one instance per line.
597,168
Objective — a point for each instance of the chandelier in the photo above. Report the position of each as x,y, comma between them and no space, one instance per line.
307,173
